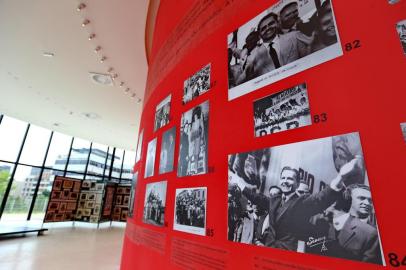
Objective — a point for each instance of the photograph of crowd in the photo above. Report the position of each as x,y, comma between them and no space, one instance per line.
289,37
194,141
282,111
162,113
139,146
167,151
150,163
190,210
154,203
197,84
294,198
401,28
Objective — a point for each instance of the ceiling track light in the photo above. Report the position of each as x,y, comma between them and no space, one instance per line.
81,6
133,95
121,84
85,22
139,100
110,70
97,49
127,90
114,76
92,36
104,58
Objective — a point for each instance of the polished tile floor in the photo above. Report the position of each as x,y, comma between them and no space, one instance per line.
64,248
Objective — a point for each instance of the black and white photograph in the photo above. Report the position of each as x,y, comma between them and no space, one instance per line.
282,111
403,128
162,113
167,151
190,210
197,84
133,194
287,38
139,146
150,163
401,28
309,197
193,155
154,203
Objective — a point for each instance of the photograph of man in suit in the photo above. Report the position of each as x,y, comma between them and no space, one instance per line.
348,229
167,151
282,228
283,34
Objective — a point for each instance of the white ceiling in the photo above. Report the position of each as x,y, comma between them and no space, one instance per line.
57,92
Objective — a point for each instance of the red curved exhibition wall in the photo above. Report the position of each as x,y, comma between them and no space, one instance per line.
328,115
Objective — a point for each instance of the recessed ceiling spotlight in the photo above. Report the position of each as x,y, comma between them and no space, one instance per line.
114,76
48,54
139,100
92,36
97,49
110,70
133,95
127,90
85,22
104,58
100,78
81,6
91,115
121,84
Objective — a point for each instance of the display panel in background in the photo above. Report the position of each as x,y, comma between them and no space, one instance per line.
154,203
150,163
121,203
167,151
197,85
193,148
162,113
90,202
63,200
108,202
286,197
285,39
190,210
288,109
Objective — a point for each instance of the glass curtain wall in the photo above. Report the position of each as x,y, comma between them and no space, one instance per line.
31,157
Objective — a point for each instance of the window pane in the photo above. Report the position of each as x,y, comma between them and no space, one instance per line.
93,177
118,160
108,165
44,190
20,197
35,146
11,136
79,155
129,161
75,175
5,171
97,159
58,151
